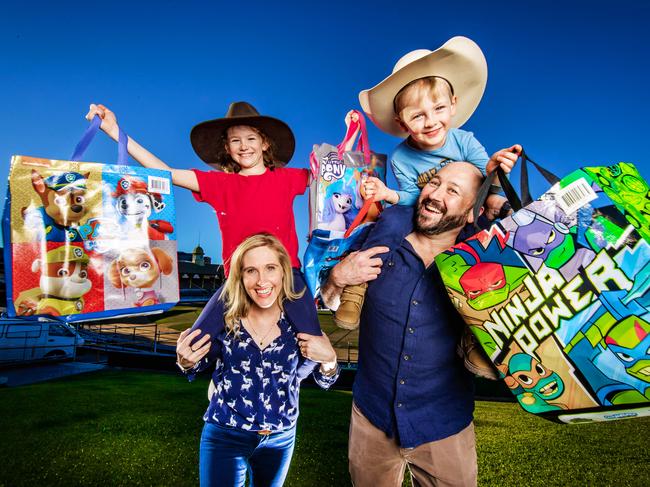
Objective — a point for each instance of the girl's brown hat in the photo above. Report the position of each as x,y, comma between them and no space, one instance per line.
206,136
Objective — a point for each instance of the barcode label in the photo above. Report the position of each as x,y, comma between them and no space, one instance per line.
575,196
158,185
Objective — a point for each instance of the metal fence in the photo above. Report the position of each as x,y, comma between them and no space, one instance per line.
123,336
29,341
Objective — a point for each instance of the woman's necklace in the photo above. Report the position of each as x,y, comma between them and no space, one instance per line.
257,334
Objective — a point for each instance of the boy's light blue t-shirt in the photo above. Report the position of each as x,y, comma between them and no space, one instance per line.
408,163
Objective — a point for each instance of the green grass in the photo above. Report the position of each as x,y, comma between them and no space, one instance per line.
137,428
181,317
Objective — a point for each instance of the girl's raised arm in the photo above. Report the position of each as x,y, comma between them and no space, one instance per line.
180,177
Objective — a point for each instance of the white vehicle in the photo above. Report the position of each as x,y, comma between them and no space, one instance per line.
22,340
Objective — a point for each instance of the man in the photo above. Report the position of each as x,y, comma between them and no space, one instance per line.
413,399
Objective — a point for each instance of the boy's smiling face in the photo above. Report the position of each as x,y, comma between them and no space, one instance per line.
426,115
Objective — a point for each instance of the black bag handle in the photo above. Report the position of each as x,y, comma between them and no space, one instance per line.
526,199
508,189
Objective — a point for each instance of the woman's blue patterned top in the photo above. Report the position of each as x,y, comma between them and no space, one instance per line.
258,389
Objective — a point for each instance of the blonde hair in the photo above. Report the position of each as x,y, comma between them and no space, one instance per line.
236,299
434,86
227,164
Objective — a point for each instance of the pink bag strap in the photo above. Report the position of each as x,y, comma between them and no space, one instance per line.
313,165
361,215
358,126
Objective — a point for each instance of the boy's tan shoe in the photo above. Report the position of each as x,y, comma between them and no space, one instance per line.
349,312
474,358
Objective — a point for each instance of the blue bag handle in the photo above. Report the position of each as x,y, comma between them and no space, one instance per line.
89,134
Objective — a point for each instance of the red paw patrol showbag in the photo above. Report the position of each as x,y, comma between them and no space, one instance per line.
84,240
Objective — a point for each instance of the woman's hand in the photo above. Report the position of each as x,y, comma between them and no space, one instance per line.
109,120
318,349
188,354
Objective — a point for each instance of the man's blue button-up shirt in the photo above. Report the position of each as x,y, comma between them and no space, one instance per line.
411,383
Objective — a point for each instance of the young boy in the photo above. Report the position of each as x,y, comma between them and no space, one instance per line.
424,109
426,98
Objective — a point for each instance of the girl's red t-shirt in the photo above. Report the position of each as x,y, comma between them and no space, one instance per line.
246,205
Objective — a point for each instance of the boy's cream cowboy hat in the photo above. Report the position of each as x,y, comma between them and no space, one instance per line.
206,136
459,60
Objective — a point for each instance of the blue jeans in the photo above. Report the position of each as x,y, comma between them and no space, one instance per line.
227,454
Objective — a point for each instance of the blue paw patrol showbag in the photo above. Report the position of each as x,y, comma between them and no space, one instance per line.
85,240
558,294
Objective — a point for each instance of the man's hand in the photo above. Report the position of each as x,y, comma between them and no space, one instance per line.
356,268
505,158
375,187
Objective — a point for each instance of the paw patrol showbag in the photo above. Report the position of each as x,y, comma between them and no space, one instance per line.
558,294
84,240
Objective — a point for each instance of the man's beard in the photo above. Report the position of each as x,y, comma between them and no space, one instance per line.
446,222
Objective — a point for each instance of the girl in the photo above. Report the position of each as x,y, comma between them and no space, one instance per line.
251,420
251,192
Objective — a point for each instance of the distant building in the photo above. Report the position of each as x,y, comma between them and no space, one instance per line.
195,270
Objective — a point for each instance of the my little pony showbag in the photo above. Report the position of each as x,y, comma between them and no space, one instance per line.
335,196
558,294
84,240
337,206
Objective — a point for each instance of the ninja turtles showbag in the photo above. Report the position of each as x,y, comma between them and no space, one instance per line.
86,240
558,294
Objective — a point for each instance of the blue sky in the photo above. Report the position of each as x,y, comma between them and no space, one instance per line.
568,82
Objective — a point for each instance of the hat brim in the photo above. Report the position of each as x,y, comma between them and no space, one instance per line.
206,136
459,60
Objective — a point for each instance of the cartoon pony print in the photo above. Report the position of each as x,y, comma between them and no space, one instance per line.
340,208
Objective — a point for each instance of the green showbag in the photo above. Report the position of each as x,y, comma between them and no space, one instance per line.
558,295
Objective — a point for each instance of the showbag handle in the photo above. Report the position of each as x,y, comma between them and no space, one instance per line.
526,199
89,134
509,189
358,126
355,127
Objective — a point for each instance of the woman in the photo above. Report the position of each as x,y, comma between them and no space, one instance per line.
260,362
